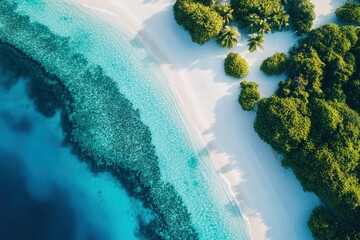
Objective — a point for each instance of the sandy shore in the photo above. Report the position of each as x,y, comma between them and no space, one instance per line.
268,195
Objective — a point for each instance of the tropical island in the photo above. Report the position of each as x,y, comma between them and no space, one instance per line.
184,119
313,118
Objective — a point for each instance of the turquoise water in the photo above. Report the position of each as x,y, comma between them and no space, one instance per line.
183,162
57,191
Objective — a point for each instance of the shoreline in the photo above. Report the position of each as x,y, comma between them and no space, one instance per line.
269,196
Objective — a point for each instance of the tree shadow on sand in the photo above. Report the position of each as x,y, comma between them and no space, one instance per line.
191,56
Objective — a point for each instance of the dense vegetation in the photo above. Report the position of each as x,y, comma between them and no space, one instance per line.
302,15
313,120
260,16
274,65
201,18
249,95
236,66
349,13
202,22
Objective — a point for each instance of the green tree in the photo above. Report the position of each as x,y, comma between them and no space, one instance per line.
225,11
228,37
324,225
249,95
255,41
274,65
328,41
349,13
302,15
353,94
282,122
202,22
260,16
236,66
206,2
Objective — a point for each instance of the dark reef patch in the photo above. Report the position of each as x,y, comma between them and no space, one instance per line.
24,216
99,123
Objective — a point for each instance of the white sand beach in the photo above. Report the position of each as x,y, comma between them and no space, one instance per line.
269,196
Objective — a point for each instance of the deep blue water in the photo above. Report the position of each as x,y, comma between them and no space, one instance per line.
122,117
46,191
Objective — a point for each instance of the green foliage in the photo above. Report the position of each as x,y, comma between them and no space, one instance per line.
282,122
353,94
225,11
306,69
255,41
202,22
274,65
249,95
302,15
228,37
236,66
260,16
206,2
328,41
349,13
325,225
309,121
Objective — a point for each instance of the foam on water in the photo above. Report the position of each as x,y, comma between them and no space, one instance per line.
183,162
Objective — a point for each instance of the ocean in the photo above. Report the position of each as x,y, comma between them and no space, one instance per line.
122,116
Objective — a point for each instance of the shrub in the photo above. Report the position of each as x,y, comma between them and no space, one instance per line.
260,16
324,225
353,94
274,65
206,2
349,13
249,95
302,15
282,122
236,66
202,22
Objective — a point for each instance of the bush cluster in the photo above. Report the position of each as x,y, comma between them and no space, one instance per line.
302,15
349,13
202,22
236,66
260,16
274,65
314,121
206,2
249,95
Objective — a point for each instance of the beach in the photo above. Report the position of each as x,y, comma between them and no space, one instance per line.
270,197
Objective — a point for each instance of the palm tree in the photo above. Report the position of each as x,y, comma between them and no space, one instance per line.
280,18
255,41
225,11
228,37
264,27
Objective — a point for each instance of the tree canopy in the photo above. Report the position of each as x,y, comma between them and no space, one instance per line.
236,66
260,16
249,95
202,22
313,120
302,15
349,13
274,65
